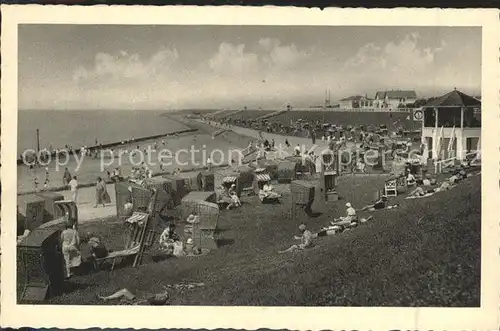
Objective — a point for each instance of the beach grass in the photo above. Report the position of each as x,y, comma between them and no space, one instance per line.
424,253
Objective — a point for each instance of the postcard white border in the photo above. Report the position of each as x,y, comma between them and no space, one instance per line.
484,318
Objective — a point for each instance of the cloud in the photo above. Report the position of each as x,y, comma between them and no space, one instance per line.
264,72
124,66
403,57
269,56
234,59
282,57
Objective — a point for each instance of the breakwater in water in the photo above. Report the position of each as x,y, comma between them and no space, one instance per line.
120,143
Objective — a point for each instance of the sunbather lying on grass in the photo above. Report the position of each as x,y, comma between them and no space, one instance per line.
154,299
381,203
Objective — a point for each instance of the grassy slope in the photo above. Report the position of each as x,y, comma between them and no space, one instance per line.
392,261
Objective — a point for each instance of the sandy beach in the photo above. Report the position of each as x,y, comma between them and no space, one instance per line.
200,142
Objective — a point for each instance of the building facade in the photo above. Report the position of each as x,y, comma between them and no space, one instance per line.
394,99
356,101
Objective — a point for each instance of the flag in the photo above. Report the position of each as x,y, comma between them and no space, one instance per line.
478,149
439,143
451,143
434,144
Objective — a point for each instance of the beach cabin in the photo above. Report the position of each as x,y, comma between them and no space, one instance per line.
303,193
50,209
192,181
32,208
191,200
261,177
454,116
41,272
207,181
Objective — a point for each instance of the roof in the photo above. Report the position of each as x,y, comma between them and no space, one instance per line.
38,236
454,98
198,195
229,179
137,217
355,98
396,94
263,178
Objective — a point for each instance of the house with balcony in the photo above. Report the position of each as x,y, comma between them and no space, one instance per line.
394,98
455,116
356,101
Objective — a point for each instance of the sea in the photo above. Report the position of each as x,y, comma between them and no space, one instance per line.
81,128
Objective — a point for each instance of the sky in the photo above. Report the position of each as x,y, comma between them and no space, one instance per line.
77,67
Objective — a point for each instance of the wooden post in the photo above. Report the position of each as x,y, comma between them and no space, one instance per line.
434,141
462,118
151,211
461,156
37,140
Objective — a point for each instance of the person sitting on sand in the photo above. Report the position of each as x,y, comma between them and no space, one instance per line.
268,193
306,240
168,238
97,248
235,201
297,150
117,176
410,179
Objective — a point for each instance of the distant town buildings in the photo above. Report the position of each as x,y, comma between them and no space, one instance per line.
394,99
383,99
356,101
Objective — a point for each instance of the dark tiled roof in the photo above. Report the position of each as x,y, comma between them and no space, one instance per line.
454,98
399,94
355,97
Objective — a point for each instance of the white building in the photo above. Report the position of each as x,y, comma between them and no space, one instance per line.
452,110
394,99
356,101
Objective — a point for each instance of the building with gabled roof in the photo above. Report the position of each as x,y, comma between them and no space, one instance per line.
453,116
356,101
394,98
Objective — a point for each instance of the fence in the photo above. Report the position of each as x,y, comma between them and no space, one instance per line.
373,110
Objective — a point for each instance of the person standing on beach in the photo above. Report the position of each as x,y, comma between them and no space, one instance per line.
66,177
209,164
101,193
47,179
73,185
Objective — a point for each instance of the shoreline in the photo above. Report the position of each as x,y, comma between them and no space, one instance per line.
201,128
118,143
